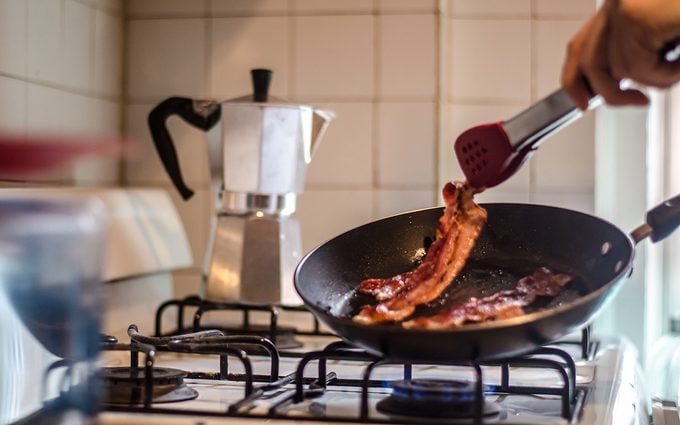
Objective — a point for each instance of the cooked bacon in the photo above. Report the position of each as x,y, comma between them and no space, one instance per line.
457,232
501,305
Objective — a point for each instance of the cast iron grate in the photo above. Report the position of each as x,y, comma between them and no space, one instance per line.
299,387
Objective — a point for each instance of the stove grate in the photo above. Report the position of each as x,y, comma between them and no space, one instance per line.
305,388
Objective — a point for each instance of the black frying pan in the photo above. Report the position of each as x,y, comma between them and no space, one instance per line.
517,239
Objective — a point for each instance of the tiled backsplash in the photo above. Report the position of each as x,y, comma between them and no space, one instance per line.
61,71
404,77
501,55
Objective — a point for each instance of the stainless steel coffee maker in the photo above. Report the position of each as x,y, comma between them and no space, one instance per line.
258,166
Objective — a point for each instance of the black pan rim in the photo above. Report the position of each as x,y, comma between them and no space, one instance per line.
498,324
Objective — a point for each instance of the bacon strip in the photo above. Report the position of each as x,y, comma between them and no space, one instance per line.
502,305
458,230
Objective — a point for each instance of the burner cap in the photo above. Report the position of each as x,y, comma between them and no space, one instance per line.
161,375
434,398
123,385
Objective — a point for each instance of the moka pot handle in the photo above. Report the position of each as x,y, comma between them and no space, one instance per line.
204,118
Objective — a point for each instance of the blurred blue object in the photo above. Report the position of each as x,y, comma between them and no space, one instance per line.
51,253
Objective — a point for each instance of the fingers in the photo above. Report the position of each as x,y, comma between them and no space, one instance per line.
661,76
596,62
573,80
642,63
589,62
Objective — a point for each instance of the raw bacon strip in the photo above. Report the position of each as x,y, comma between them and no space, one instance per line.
458,230
502,305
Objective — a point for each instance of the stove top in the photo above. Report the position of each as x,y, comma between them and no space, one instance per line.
240,379
222,376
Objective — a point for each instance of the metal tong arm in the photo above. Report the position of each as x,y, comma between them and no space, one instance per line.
528,128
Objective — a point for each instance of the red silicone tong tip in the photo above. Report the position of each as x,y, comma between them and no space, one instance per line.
486,156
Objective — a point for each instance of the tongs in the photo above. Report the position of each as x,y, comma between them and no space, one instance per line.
489,154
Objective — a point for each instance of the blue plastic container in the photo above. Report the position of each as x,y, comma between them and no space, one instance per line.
51,256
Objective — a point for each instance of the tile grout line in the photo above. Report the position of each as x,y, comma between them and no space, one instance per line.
375,121
93,47
104,9
438,108
292,49
123,85
482,17
450,94
62,45
24,124
60,87
173,16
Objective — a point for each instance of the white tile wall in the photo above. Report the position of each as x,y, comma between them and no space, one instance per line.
551,41
502,56
111,6
505,195
166,57
565,162
403,80
13,113
219,8
196,214
166,8
407,56
92,116
345,155
61,71
108,69
78,45
584,202
333,6
490,8
564,9
391,202
13,36
323,67
490,60
407,6
348,209
406,144
241,44
78,113
45,31
44,106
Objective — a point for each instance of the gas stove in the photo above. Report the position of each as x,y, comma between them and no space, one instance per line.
212,377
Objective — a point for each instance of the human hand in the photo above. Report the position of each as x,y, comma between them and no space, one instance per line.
623,40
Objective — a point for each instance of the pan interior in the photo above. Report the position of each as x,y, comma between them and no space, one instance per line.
516,241
481,278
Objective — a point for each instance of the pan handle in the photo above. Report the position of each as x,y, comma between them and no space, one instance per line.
661,221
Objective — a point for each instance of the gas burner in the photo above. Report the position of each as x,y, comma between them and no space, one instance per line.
434,398
124,385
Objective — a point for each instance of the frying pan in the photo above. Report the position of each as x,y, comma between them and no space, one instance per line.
517,239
